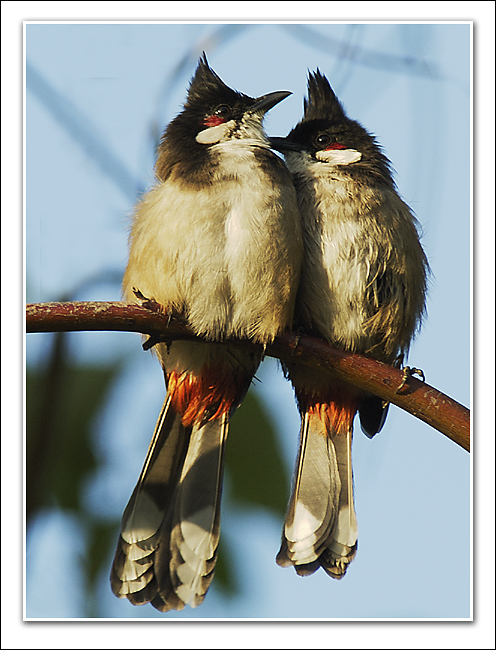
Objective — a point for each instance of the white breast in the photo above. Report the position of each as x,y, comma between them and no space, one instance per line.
211,251
337,265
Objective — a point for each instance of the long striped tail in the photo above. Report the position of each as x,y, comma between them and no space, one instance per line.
320,529
167,547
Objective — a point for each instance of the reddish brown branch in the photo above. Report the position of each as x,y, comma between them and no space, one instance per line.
421,400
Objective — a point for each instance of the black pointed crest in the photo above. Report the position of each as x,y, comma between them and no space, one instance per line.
206,84
322,102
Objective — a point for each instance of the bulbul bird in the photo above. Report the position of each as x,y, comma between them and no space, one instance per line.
363,288
218,240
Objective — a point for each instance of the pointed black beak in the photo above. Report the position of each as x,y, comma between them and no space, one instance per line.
266,102
284,145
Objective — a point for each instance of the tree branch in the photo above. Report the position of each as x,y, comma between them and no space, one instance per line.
416,397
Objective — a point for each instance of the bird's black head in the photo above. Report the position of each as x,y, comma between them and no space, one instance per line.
210,102
213,113
328,136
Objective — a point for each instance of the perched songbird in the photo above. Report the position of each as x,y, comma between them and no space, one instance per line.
218,240
363,288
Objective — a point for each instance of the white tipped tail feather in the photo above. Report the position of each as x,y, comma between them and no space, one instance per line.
167,547
320,527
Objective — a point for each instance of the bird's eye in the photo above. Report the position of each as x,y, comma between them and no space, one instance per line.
223,110
322,140
218,116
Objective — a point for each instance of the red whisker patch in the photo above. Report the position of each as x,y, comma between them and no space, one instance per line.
213,120
335,145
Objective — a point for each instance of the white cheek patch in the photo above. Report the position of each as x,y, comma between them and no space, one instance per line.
339,156
215,133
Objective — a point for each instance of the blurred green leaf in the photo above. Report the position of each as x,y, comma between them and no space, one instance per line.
100,546
61,403
257,474
102,539
225,573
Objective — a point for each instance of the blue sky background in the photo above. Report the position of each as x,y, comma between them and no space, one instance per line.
409,84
